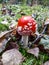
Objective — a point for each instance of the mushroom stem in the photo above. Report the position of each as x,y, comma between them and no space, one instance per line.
25,41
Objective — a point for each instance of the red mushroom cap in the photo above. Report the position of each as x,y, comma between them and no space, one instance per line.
26,25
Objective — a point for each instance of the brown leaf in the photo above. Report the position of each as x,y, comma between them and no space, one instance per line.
12,45
3,40
3,44
47,50
46,63
6,33
34,51
12,57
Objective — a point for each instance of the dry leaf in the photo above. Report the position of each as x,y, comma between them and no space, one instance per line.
46,63
3,40
12,57
34,51
3,44
5,33
47,50
12,45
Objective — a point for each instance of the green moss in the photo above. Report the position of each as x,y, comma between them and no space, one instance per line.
3,27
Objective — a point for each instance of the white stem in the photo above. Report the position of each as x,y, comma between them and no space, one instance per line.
25,41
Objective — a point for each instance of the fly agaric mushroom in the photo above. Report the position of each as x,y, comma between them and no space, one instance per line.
26,26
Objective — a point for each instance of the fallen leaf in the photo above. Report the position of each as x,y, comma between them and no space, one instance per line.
6,33
47,50
4,38
12,45
3,33
46,63
34,51
12,57
3,44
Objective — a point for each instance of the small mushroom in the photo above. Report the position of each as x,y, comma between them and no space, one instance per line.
26,25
